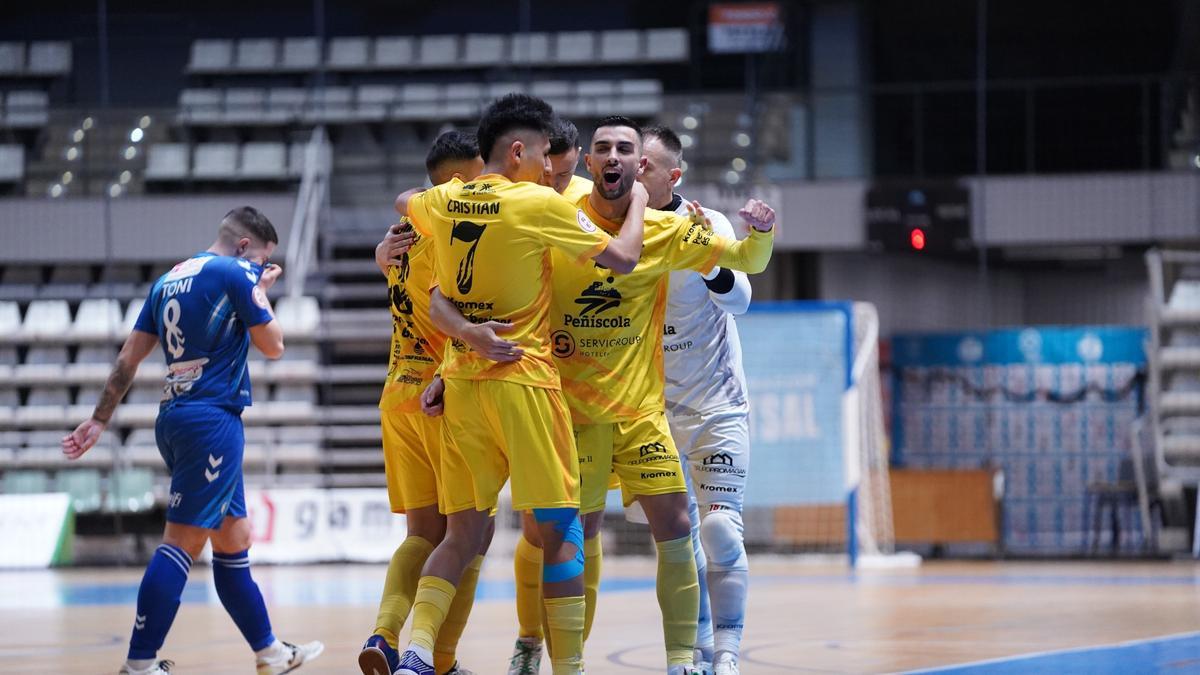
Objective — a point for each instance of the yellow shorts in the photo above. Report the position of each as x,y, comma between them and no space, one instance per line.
501,429
640,452
412,455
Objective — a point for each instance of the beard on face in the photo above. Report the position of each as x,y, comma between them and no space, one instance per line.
615,190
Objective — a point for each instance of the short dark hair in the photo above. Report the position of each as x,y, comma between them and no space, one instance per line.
563,135
451,146
666,136
510,113
620,121
252,222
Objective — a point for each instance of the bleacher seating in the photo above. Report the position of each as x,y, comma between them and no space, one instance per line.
435,52
35,59
300,54
46,319
215,161
49,58
12,163
211,56
26,109
167,161
256,55
349,53
261,161
241,106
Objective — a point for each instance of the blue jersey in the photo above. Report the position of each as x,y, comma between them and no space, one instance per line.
201,312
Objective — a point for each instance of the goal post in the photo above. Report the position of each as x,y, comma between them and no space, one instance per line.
818,480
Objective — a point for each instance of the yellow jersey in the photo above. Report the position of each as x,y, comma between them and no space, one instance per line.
608,328
493,239
417,345
577,189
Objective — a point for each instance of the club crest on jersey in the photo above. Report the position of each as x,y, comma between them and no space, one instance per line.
585,223
596,298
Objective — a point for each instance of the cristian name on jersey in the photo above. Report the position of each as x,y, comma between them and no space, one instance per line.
417,346
608,329
201,312
493,239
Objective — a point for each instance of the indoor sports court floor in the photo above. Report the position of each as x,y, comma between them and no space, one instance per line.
963,617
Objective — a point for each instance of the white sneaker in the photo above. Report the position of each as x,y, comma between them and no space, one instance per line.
289,658
726,665
526,658
160,668
704,668
682,670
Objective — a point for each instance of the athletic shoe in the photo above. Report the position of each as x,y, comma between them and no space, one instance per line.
377,657
290,658
526,658
459,670
412,664
704,668
726,665
161,668
682,670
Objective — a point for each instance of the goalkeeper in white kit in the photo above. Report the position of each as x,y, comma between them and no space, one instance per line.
708,411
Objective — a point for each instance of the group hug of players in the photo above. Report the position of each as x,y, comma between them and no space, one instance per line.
561,312
561,335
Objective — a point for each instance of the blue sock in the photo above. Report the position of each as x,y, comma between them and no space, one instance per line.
158,600
242,599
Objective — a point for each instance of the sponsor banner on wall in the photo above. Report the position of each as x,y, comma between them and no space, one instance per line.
740,28
312,525
36,529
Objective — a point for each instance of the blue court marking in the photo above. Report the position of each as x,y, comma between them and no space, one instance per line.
316,593
1002,580
1170,654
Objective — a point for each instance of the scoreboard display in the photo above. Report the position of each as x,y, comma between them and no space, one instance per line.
926,216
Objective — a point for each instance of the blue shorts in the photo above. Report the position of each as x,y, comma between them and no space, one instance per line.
202,446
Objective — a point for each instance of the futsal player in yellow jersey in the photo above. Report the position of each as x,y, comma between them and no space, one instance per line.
412,441
492,240
608,343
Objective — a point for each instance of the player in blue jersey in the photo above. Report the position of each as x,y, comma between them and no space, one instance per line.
204,313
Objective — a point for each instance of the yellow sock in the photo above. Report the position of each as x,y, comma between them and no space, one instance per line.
433,599
564,616
591,581
527,567
678,598
456,619
399,586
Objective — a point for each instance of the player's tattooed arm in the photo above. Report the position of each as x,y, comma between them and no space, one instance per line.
481,337
137,347
623,252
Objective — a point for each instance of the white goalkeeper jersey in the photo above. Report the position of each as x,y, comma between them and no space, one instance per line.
702,355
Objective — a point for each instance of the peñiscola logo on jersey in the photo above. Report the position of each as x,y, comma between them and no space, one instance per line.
594,302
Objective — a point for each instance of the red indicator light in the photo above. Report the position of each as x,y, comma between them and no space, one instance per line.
917,239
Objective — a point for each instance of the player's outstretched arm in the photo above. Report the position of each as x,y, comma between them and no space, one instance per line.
752,254
623,252
395,243
729,289
481,337
267,337
137,347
